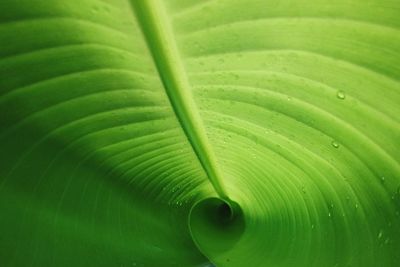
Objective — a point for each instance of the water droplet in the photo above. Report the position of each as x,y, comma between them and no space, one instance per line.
341,95
335,144
383,179
329,214
312,226
175,189
380,234
356,206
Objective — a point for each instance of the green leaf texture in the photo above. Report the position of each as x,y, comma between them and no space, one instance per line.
199,133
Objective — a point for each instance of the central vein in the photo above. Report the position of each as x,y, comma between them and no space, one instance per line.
158,32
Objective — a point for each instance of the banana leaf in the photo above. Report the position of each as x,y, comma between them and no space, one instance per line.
200,133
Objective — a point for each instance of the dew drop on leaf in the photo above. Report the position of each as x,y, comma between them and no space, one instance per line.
340,94
380,234
335,144
303,189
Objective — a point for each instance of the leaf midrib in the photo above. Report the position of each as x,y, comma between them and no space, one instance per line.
156,28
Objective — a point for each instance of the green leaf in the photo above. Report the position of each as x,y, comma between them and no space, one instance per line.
185,133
